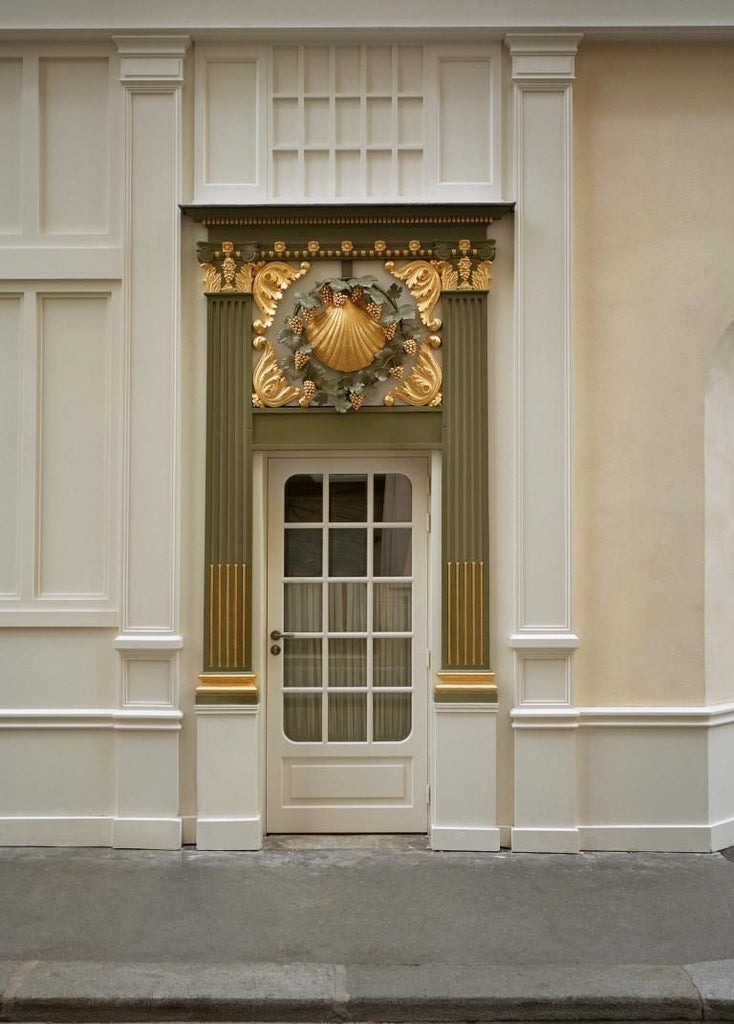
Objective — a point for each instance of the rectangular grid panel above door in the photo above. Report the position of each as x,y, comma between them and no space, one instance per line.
347,123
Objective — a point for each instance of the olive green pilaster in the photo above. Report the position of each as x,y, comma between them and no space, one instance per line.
227,621
465,482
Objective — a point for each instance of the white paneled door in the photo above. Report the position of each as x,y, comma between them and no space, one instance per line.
347,641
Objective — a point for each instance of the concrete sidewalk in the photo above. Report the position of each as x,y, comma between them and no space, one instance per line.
343,931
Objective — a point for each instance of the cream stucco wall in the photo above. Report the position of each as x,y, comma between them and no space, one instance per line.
654,247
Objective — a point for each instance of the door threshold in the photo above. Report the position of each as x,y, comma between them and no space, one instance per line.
388,843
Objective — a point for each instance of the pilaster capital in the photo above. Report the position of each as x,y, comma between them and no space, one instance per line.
152,62
543,57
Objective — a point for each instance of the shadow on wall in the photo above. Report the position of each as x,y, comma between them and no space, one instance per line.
719,469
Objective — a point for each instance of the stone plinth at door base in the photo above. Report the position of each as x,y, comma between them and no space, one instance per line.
228,766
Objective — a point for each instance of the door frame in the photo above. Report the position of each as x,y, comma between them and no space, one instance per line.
260,474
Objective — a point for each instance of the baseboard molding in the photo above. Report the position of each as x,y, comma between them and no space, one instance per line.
646,838
722,834
188,830
545,840
479,840
229,834
146,833
57,830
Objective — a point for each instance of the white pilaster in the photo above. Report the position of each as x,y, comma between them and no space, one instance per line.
543,639
151,73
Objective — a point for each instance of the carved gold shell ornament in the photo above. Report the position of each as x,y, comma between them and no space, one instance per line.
346,337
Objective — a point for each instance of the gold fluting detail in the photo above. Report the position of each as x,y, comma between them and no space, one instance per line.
345,337
424,282
271,389
465,633
423,386
271,280
227,614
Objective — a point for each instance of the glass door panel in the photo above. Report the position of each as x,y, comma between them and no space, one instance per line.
359,588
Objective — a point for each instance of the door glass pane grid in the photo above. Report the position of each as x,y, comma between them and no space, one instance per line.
362,709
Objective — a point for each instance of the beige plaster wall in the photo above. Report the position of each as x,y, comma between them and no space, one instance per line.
654,251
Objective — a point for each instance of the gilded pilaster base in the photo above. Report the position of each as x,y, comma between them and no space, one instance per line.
229,688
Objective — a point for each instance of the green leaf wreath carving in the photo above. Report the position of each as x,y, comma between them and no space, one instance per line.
400,326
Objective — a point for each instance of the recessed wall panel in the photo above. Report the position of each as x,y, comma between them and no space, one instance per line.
9,442
11,84
74,146
73,431
231,122
464,143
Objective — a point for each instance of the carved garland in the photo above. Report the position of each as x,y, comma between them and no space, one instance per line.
359,310
346,336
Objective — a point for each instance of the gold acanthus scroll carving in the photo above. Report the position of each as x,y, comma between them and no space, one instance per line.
423,387
271,389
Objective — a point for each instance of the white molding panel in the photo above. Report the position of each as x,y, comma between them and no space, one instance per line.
11,311
463,102
347,123
61,165
67,409
231,121
11,134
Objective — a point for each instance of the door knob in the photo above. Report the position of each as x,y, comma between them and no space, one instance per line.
277,635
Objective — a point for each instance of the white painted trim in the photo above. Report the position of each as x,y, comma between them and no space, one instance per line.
545,76
705,716
91,830
226,709
152,63
188,830
51,263
257,19
90,618
561,641
91,718
468,707
480,840
146,833
148,642
56,830
694,717
645,838
229,833
722,834
543,58
544,717
545,840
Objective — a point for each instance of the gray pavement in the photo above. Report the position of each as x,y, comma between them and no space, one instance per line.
364,930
